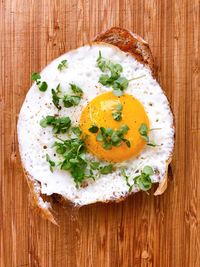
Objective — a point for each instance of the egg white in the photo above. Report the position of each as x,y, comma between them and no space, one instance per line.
83,71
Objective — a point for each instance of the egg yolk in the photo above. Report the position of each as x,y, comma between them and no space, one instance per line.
99,113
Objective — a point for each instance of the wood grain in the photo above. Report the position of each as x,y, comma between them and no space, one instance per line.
144,230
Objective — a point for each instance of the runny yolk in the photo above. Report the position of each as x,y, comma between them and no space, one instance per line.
99,112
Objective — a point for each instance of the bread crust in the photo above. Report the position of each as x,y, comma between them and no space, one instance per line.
130,43
127,42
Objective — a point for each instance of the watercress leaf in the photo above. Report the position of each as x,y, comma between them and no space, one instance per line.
35,76
94,165
66,165
117,116
43,123
115,138
60,125
143,130
71,100
103,130
74,161
148,170
120,84
119,107
78,173
51,163
93,129
77,90
107,145
106,169
42,86
48,120
144,182
118,92
58,88
114,75
102,63
60,148
117,144
99,137
109,131
55,99
62,65
77,131
117,68
124,128
82,156
127,142
105,80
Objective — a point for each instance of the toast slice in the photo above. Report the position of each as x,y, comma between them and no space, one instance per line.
139,49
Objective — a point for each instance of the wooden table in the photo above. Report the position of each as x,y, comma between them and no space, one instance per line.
143,230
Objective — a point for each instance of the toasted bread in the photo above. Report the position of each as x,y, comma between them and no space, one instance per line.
130,43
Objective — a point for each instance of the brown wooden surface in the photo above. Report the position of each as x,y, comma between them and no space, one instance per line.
144,230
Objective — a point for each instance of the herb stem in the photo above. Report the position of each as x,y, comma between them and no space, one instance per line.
136,78
59,138
152,129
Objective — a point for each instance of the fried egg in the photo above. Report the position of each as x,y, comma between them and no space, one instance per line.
144,102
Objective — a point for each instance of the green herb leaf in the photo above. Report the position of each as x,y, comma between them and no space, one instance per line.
107,145
115,138
51,163
110,137
77,90
148,170
62,65
106,169
105,80
127,142
47,121
119,107
55,97
100,137
35,76
116,70
109,131
143,180
120,84
102,63
60,125
77,131
71,100
74,159
95,165
143,130
60,148
93,129
124,128
42,86
117,115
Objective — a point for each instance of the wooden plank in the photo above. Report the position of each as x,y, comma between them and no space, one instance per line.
144,230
